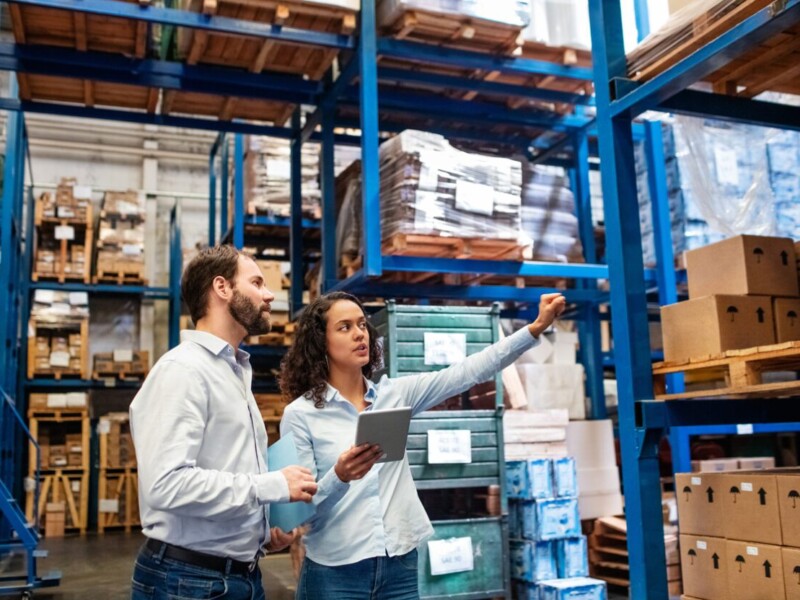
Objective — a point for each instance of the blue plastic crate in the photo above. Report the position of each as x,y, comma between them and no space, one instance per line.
573,560
551,519
577,588
533,561
526,591
514,530
529,479
565,477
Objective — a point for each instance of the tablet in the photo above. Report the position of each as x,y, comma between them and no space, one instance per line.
388,428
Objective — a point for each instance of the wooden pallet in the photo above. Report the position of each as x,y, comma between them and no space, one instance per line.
738,373
60,487
257,55
120,277
85,92
59,373
119,375
226,108
451,30
436,246
271,339
115,487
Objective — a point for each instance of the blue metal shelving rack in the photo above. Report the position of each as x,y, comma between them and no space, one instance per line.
643,421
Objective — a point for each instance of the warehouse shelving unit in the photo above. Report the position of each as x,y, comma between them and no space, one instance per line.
643,420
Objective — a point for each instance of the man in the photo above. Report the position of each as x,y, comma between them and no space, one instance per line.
201,445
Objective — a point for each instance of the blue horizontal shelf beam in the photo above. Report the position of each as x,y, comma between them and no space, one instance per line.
732,109
497,267
43,383
64,62
267,221
487,87
180,18
129,116
155,293
750,428
763,25
656,414
464,59
487,293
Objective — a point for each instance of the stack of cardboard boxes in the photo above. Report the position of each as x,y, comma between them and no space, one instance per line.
117,500
544,527
740,534
58,334
119,453
743,292
121,363
120,239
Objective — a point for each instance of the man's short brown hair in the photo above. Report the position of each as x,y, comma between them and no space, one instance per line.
217,261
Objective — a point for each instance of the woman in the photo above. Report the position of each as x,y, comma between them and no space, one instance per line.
369,521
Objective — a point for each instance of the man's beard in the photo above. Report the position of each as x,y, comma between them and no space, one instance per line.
247,315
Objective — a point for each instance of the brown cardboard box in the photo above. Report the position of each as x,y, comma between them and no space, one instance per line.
704,566
273,276
716,465
37,402
745,264
756,463
755,571
74,460
750,501
58,456
75,339
787,319
791,572
789,501
54,519
700,506
714,324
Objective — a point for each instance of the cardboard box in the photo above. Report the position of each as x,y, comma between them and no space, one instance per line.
789,502
704,566
37,402
756,463
700,504
74,460
54,519
755,571
791,572
273,275
715,465
714,324
787,319
750,501
745,264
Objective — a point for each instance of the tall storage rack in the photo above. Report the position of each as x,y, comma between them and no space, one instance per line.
643,420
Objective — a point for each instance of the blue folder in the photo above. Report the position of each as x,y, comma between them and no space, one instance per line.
287,516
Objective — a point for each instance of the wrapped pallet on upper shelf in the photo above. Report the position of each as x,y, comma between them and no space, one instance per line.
436,201
121,239
58,335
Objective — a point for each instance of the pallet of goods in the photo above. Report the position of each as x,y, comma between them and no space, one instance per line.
121,364
63,234
118,487
58,335
121,239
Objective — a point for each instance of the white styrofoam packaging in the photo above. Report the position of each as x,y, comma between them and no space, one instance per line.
575,588
533,561
592,482
524,419
600,505
555,386
77,399
533,435
591,443
535,450
565,477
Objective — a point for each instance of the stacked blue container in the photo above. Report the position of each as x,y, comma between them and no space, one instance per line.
545,530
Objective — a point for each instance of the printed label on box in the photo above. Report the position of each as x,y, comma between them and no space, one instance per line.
131,249
474,197
445,348
123,355
59,359
697,481
109,506
451,556
752,551
744,429
82,192
747,487
65,232
449,446
701,545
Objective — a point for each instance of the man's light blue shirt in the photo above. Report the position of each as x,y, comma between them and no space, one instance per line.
380,513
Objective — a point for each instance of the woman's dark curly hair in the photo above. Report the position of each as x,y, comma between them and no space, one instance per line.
304,369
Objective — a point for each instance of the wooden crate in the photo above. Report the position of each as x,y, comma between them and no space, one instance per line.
116,444
452,30
132,273
70,488
36,329
118,500
46,232
78,418
226,108
280,335
257,55
736,373
136,369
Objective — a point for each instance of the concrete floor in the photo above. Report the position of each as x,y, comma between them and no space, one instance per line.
99,567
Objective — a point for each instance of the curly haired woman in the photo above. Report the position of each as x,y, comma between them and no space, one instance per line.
369,521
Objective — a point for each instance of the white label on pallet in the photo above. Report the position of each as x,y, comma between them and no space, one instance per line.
123,355
76,485
701,545
131,249
697,481
56,401
747,487
752,551
109,506
65,232
59,359
79,298
474,197
65,212
82,192
103,427
445,348
745,429
451,556
449,446
44,296
726,165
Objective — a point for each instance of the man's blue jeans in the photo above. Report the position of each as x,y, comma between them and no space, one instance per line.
158,578
381,578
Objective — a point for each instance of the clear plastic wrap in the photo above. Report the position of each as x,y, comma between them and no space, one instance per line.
725,175
516,13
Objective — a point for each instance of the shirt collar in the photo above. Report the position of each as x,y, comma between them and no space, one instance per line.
370,395
211,342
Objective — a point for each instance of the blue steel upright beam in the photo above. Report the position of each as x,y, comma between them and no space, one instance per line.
212,192
640,468
296,225
589,326
329,274
370,169
225,172
238,191
175,269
